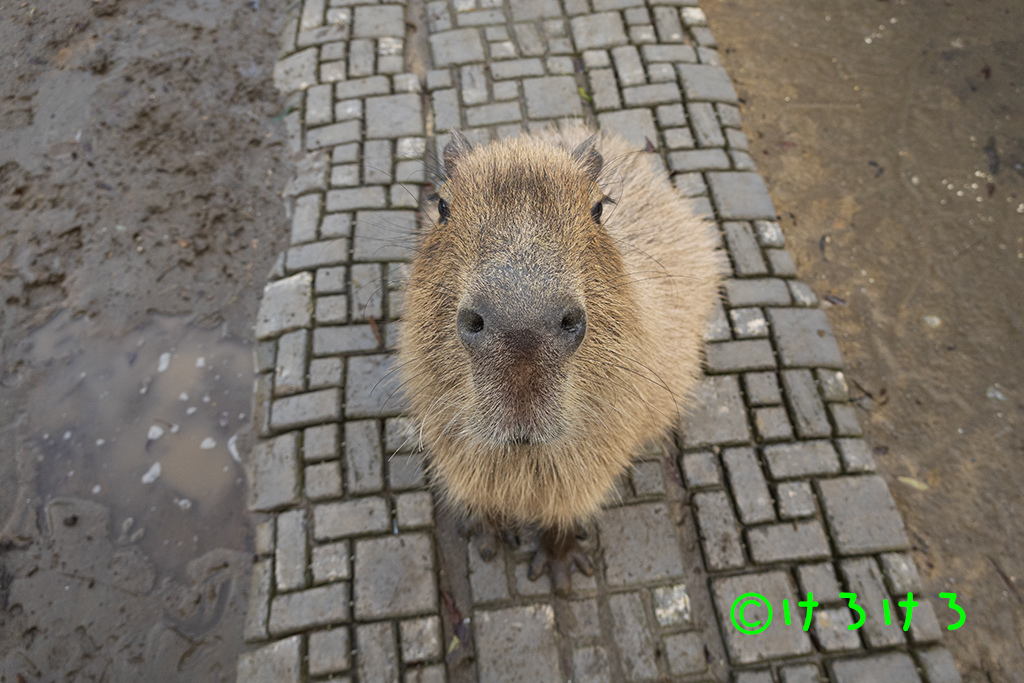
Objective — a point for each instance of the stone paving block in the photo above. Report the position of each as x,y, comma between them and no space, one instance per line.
290,365
762,388
781,262
700,160
506,90
529,40
259,601
668,53
473,82
846,419
640,35
342,339
737,139
647,95
666,20
778,639
262,392
635,126
802,293
703,36
265,533
671,605
461,46
892,667
376,653
317,254
400,434
435,673
628,65
865,580
264,355
394,576
392,116
772,424
740,196
528,10
290,612
924,627
718,531
590,665
323,480
806,406
331,562
754,677
414,509
700,470
329,652
312,14
358,88
601,30
372,387
383,235
377,162
332,72
862,515
640,544
738,356
356,198
633,636
446,109
804,338
491,114
804,540
334,134
360,58
681,138
306,218
749,488
596,59
363,457
290,558
757,292
604,90
438,17
939,666
705,82
320,443
789,460
278,662
551,97
487,579
379,20
296,72
274,475
802,673
795,500
648,478
743,247
517,644
304,409
344,154
421,639
348,518
287,305
685,653
900,573
832,384
705,124
820,581
718,324
717,415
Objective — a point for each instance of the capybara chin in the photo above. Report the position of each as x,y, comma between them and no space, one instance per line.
553,325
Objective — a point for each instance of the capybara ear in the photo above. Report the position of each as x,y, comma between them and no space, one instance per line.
454,151
589,157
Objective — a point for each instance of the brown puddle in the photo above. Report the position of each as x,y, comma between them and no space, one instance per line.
147,425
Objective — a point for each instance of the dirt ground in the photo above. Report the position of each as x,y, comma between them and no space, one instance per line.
891,135
142,160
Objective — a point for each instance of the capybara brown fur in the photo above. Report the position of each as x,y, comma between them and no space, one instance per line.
553,325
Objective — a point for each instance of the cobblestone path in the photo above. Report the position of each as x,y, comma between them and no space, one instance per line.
772,490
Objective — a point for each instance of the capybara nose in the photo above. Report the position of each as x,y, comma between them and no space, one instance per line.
554,327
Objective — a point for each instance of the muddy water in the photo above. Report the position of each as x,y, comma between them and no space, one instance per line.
147,425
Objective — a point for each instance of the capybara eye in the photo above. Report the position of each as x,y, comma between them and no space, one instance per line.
595,212
442,209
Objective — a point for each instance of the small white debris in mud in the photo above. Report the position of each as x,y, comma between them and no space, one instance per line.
165,362
100,442
174,429
184,503
67,435
183,396
208,443
200,362
96,489
932,320
206,398
233,449
993,392
191,410
155,432
152,474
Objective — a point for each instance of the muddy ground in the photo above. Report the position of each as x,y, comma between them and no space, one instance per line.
142,160
891,135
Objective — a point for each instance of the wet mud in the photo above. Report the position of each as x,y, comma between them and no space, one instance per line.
892,140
